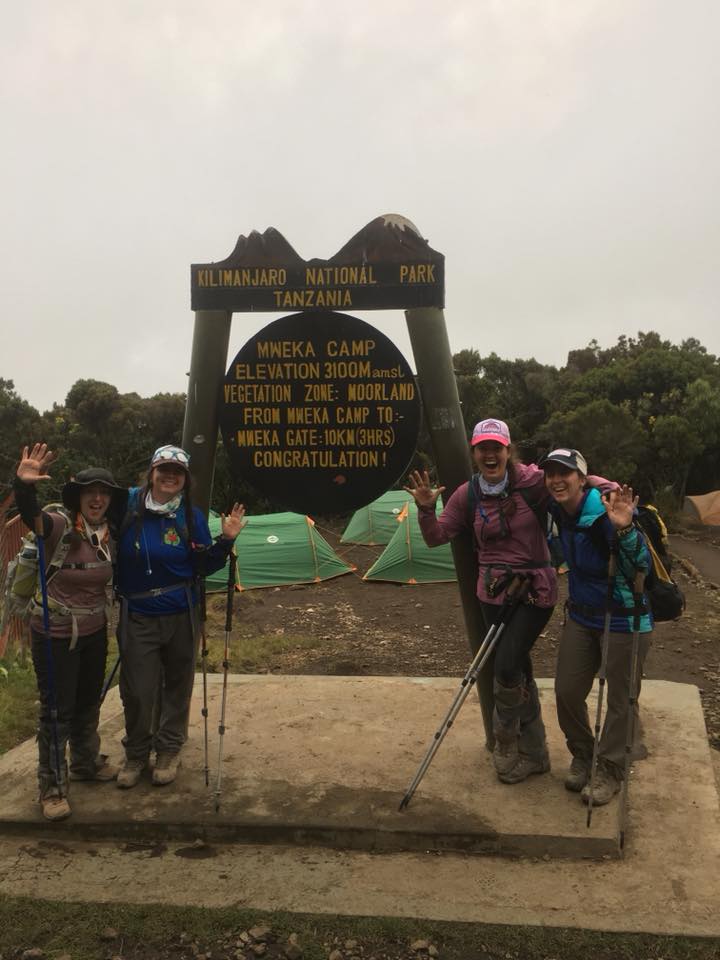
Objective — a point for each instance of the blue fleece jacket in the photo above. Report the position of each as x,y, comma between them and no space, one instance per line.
586,540
157,553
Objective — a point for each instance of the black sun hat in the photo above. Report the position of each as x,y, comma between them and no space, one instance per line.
86,478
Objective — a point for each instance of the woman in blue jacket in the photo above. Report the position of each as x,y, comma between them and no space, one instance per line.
164,546
591,525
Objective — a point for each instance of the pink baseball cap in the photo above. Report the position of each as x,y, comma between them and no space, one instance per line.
496,430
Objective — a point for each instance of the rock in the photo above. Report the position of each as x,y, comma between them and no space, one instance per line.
351,945
108,934
34,953
259,933
546,857
335,955
244,938
433,951
293,950
259,949
419,946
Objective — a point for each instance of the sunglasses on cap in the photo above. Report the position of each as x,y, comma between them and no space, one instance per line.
168,455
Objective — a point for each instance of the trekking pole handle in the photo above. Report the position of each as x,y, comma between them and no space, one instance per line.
519,585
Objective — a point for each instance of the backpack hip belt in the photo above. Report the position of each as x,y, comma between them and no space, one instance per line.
58,611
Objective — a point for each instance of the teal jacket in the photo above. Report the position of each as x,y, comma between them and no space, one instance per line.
586,541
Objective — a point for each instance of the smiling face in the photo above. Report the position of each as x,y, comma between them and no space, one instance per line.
565,486
166,481
94,502
491,459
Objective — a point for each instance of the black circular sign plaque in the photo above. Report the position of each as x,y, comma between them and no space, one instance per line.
320,413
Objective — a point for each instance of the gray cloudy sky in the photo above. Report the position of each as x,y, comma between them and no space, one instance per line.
562,154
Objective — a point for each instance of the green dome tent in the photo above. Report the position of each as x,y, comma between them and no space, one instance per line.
277,549
376,522
408,559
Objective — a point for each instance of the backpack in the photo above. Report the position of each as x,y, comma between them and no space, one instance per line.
667,601
653,526
23,573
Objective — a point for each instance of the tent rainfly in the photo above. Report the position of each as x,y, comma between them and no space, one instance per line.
408,559
376,522
277,549
705,508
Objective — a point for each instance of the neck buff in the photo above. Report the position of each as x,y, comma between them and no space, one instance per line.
493,489
164,509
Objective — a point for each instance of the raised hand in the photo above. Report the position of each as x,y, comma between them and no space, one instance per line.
233,523
420,488
34,463
620,506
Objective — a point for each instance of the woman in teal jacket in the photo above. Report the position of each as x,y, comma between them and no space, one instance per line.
591,525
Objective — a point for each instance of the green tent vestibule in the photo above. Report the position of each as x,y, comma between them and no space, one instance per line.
275,550
376,522
408,559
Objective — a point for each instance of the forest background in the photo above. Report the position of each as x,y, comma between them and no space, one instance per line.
644,411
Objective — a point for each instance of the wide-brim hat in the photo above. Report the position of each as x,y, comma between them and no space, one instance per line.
86,478
567,457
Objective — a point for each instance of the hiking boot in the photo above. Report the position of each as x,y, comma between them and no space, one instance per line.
578,775
166,767
130,773
55,807
525,767
103,773
505,755
605,786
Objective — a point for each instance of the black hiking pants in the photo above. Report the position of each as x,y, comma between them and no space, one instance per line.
78,678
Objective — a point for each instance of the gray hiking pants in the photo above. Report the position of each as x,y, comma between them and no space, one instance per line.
157,652
77,678
579,658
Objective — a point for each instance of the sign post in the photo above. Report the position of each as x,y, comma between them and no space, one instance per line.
443,416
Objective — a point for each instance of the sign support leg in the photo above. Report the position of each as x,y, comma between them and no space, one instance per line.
438,387
211,337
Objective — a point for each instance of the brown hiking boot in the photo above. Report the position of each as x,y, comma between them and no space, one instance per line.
55,807
103,773
578,775
130,773
525,767
505,754
605,786
166,767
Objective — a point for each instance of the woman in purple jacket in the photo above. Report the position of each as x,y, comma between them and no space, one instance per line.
504,503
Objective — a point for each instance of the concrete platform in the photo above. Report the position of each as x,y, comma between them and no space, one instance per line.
667,883
326,760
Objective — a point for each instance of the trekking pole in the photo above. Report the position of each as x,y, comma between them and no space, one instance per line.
602,673
108,682
50,663
632,703
226,665
514,594
203,660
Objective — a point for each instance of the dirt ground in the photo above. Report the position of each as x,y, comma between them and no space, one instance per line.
349,627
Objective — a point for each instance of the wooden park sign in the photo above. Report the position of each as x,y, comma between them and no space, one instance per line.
320,412
386,266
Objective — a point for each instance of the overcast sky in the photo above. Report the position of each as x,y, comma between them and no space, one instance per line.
562,154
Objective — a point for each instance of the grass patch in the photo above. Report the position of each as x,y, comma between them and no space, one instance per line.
181,932
250,653
18,693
